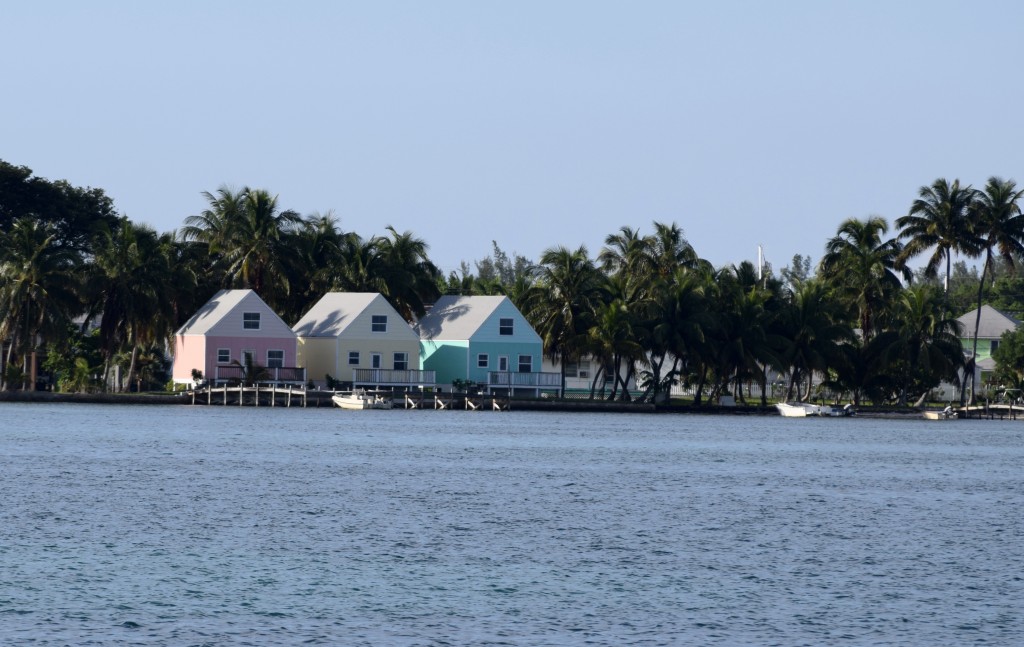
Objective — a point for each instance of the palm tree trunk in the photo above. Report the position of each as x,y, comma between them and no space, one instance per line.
701,379
597,375
764,386
792,381
977,320
131,366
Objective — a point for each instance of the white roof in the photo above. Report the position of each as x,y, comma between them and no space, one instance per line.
993,323
456,317
333,313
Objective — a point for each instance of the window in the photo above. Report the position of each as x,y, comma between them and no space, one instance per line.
275,358
995,345
571,369
379,323
504,326
584,371
223,355
374,360
525,363
251,320
401,361
353,358
482,360
248,358
503,363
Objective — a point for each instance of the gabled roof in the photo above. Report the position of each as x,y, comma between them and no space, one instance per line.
993,323
333,313
456,317
223,304
350,315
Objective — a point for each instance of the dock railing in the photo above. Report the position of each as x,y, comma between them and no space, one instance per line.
267,375
536,382
386,377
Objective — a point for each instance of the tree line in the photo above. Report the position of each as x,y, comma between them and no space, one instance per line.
645,308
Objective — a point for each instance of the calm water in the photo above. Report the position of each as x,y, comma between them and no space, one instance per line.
229,526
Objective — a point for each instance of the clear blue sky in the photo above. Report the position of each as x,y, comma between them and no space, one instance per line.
530,123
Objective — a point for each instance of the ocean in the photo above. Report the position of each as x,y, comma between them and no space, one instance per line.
182,525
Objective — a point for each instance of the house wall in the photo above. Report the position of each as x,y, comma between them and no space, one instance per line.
318,355
260,345
271,325
585,382
495,349
446,358
189,353
361,326
490,330
385,345
984,347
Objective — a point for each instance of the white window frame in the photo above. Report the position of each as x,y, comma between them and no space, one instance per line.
374,323
376,360
353,354
483,360
527,363
274,350
584,369
226,360
503,363
405,361
247,321
506,324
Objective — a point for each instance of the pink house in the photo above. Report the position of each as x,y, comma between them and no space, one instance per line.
233,330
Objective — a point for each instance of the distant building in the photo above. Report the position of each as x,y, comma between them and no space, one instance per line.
233,330
360,340
991,328
484,340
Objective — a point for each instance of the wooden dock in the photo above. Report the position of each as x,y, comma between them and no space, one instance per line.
1000,411
257,396
276,396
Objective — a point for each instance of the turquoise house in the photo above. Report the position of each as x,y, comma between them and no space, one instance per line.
484,340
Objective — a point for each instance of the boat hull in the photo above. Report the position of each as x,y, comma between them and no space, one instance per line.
360,401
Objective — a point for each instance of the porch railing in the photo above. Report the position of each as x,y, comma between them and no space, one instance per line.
502,379
393,377
277,374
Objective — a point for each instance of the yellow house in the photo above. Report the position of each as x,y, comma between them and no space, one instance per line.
360,340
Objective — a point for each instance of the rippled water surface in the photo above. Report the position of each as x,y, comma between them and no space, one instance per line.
229,526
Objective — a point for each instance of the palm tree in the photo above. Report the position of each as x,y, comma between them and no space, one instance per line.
130,284
612,339
38,289
939,220
998,225
562,304
318,262
925,343
408,277
812,331
259,251
248,236
864,268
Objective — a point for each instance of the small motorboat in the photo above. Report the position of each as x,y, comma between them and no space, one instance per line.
945,414
804,409
361,400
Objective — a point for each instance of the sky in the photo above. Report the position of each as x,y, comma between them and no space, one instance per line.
531,124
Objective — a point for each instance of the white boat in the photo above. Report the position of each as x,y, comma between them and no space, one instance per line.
798,409
804,409
361,400
945,414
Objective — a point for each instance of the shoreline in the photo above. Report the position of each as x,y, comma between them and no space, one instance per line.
322,398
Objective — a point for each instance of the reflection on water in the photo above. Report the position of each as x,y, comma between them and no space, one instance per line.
196,525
